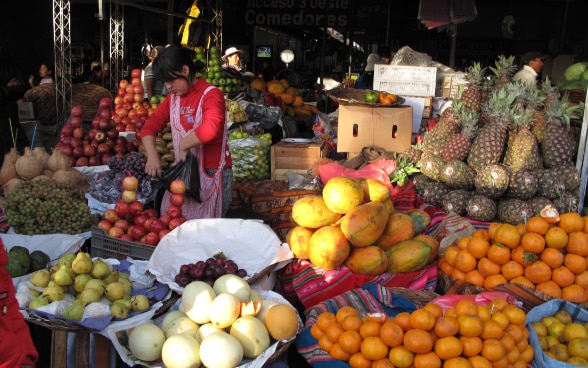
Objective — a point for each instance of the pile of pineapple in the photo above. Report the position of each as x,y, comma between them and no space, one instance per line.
501,151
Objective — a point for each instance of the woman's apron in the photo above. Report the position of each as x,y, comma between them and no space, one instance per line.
211,188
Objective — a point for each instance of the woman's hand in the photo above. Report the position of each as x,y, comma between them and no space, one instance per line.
153,166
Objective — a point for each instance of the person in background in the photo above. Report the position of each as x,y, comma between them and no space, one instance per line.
384,53
366,79
46,75
532,65
232,61
16,346
197,112
151,85
267,71
97,75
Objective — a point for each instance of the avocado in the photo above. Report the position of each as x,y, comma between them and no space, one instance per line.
18,261
39,260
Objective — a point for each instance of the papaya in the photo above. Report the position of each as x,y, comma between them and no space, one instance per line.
286,98
275,87
292,91
312,212
364,224
408,256
374,190
432,242
420,218
298,101
341,194
298,238
370,261
389,206
328,248
258,84
399,228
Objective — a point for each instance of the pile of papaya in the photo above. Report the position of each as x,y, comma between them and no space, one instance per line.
292,103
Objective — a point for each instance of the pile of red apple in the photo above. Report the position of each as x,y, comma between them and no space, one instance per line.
129,221
96,146
130,109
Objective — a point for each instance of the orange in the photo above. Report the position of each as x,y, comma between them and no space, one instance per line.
513,355
522,256
537,225
334,331
556,237
522,280
325,343
553,257
470,325
478,246
472,346
446,326
487,267
492,281
501,318
527,354
492,350
337,352
316,332
483,312
582,279
550,214
448,347
574,293
350,342
571,221
481,233
515,315
382,363
465,261
351,323
550,288
462,243
376,317
585,229
512,269
508,235
357,360
479,361
576,263
402,319
500,363
521,229
497,304
370,328
533,242
450,312
539,272
562,276
391,334
492,229
451,254
346,311
325,319
422,319
499,254
434,308
474,277
373,348
492,330
427,360
458,362
458,274
418,341
508,341
466,307
401,357
444,266
578,243
515,331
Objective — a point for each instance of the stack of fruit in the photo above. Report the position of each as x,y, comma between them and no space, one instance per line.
164,146
502,150
21,262
209,270
354,223
292,103
251,155
131,109
214,73
464,335
547,254
235,112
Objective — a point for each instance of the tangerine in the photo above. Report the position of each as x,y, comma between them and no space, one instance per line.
549,214
522,256
484,312
553,257
357,360
434,308
334,331
508,235
401,357
550,288
402,319
539,272
533,242
422,319
522,280
501,318
498,304
351,323
373,348
571,221
472,345
508,341
527,354
451,254
470,325
316,332
391,333
458,274
427,360
446,326
462,243
582,279
578,243
474,277
382,363
481,233
487,267
492,330
521,229
444,266
562,276
478,246
515,315
499,254
512,269
325,319
337,352
537,225
576,263
466,307
370,328
513,355
457,362
492,281
515,331
574,293
324,343
350,341
492,350
346,311
465,261
492,229
448,347
418,341
479,361
556,237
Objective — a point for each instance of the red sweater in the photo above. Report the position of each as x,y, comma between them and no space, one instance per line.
210,132
16,345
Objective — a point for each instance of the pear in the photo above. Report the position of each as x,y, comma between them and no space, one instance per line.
53,292
34,292
66,260
40,278
82,263
96,284
114,291
112,277
140,302
62,277
100,269
74,311
40,301
127,284
119,310
90,296
80,282
564,316
123,275
127,303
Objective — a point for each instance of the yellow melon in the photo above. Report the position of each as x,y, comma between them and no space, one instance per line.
281,321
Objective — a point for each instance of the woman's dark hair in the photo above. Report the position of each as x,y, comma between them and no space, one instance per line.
168,64
49,67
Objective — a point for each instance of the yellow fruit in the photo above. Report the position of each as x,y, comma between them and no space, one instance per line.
282,322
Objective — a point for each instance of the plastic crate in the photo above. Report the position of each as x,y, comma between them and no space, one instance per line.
405,80
104,246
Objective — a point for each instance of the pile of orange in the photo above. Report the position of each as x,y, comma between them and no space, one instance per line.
467,335
548,254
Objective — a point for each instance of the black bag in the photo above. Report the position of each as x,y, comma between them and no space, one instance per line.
188,171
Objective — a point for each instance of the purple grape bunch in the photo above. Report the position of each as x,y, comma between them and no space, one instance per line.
208,271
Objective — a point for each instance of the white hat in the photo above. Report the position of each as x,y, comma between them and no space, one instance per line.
231,51
372,60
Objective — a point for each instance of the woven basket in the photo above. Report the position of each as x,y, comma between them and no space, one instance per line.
352,96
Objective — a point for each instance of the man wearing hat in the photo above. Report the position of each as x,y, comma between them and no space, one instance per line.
231,61
366,80
532,65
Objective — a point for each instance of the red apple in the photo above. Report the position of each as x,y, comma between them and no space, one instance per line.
127,237
82,161
104,113
121,208
136,73
136,231
118,100
100,137
163,233
105,225
78,133
138,97
174,211
116,232
151,238
175,222
139,89
156,226
123,83
128,97
135,208
94,161
177,199
89,151
129,196
77,111
150,212
75,121
165,219
105,103
140,219
177,186
112,133
136,81
123,224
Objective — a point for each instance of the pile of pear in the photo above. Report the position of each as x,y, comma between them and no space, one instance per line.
89,281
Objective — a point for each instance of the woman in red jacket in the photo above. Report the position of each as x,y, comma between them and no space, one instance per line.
16,346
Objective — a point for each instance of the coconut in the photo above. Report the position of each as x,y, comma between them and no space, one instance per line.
41,155
8,170
42,177
47,172
70,176
58,160
10,185
28,165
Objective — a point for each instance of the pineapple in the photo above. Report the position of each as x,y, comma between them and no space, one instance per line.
503,71
430,165
404,169
488,147
523,184
550,184
459,145
412,154
458,175
471,97
481,208
513,211
456,201
570,177
492,181
567,202
434,192
536,204
448,125
419,181
522,151
557,148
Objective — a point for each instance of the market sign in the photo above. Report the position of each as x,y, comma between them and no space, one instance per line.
296,13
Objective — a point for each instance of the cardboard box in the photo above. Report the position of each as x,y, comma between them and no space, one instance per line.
25,110
389,128
295,157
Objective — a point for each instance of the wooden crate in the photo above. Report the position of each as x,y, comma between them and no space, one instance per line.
295,157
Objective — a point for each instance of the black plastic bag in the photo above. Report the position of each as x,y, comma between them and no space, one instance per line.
188,171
